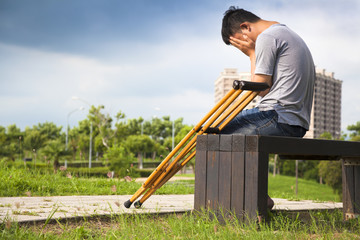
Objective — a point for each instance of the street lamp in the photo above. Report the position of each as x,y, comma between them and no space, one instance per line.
67,124
91,128
67,129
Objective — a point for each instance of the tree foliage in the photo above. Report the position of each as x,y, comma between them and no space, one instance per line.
355,129
330,171
120,159
53,150
114,139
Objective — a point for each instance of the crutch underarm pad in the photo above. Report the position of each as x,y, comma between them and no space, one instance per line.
250,86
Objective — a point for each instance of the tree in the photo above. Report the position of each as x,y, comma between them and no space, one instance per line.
10,141
122,130
33,139
37,137
54,150
330,171
73,143
161,128
3,142
140,144
180,134
49,131
326,136
355,135
120,159
83,138
103,123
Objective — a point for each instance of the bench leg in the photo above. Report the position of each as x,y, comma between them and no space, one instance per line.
256,179
256,185
351,189
231,178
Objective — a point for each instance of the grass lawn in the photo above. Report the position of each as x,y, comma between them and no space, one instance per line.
187,226
284,187
25,182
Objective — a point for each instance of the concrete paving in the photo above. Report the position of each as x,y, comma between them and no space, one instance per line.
38,209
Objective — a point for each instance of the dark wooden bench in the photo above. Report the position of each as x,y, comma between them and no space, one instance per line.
231,171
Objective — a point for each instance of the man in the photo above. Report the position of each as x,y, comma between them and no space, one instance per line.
280,58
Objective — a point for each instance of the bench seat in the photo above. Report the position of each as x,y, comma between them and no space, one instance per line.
231,171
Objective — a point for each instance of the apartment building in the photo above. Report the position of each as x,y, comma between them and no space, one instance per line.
326,109
225,81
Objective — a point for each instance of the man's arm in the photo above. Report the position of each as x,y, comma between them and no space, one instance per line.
260,77
264,79
247,46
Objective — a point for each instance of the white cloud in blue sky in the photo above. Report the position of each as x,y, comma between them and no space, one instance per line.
139,56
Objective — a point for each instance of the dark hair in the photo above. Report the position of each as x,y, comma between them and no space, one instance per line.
232,20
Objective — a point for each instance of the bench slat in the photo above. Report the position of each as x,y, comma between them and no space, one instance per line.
200,172
304,146
212,177
238,176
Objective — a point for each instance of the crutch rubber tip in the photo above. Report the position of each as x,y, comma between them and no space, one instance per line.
137,204
128,203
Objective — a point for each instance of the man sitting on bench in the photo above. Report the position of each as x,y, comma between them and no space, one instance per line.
280,58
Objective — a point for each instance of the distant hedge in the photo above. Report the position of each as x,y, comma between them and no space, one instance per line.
98,169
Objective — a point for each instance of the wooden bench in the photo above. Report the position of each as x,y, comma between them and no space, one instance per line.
231,171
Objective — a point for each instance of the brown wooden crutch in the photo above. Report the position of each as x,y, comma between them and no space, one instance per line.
213,122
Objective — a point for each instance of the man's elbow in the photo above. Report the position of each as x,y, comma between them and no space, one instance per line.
263,93
264,79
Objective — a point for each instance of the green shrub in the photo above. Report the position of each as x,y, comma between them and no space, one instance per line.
143,172
332,175
83,164
307,169
149,164
120,160
89,172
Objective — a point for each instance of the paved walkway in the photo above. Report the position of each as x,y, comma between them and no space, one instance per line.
28,209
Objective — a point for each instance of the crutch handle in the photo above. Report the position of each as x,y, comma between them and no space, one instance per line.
250,86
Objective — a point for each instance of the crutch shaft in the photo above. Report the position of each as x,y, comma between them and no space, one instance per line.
238,110
191,133
166,178
215,113
152,190
231,109
217,118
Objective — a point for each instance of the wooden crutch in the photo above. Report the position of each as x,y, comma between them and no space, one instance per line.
221,114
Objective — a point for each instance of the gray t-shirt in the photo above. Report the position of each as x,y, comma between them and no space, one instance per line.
282,54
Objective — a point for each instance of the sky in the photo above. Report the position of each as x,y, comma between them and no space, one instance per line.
150,58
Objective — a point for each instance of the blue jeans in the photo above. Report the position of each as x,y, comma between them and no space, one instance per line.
256,122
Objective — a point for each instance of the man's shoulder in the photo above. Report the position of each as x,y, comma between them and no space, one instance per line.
277,27
275,31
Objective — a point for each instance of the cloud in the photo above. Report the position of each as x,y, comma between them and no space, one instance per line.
35,72
167,57
191,105
36,84
41,86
